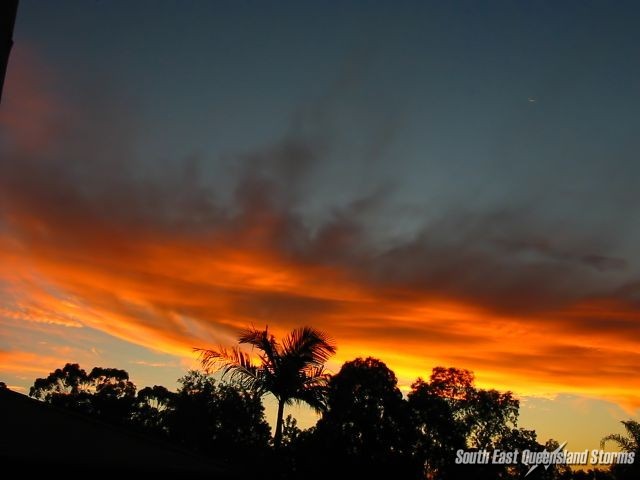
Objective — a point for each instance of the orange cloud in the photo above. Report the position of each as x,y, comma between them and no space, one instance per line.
29,363
175,297
84,244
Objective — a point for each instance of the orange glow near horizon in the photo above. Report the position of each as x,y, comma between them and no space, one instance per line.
171,298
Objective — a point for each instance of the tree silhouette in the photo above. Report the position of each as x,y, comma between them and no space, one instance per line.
629,443
111,382
290,431
365,428
438,416
106,392
65,387
113,395
450,413
292,371
216,418
69,380
151,408
494,415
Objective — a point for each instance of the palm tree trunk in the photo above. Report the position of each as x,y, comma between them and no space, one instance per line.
277,439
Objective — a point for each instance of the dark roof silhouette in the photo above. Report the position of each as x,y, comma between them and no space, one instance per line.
38,437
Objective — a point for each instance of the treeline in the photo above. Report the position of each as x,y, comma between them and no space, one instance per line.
211,418
368,428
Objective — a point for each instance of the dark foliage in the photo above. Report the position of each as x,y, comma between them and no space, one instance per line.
450,413
629,443
368,429
291,370
216,419
104,392
152,408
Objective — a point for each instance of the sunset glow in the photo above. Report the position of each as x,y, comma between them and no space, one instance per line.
102,245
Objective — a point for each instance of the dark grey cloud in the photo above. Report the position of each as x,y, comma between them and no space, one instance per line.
89,190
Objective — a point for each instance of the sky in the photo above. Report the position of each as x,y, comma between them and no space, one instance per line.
431,183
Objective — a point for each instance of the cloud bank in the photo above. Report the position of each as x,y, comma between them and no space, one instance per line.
93,236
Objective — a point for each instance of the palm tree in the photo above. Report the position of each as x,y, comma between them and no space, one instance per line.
630,442
292,371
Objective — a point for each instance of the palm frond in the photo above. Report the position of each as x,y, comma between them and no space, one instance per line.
315,375
316,371
292,371
264,342
633,428
314,396
309,345
623,442
235,363
628,443
312,388
253,336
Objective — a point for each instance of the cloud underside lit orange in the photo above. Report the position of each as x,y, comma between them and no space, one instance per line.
174,296
74,253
